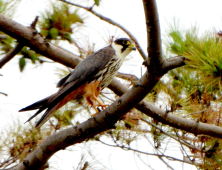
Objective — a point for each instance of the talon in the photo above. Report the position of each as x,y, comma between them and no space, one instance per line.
103,107
99,108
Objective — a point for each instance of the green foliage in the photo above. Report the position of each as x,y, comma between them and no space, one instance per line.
200,79
22,63
59,23
196,87
28,54
2,6
203,56
97,2
6,44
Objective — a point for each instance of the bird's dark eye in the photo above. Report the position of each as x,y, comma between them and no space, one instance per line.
126,42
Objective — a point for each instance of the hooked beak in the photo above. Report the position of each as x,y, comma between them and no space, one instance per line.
132,46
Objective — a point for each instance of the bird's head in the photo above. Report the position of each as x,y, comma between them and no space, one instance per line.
123,46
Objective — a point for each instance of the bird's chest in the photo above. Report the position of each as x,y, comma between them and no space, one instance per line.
108,73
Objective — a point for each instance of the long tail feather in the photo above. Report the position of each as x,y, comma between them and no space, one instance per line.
39,111
51,103
36,105
46,116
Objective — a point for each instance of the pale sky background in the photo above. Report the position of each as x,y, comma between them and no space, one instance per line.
36,83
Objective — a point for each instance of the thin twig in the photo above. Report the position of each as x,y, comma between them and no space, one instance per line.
162,153
11,54
128,77
139,156
4,94
110,21
183,149
188,145
195,113
165,163
33,25
151,154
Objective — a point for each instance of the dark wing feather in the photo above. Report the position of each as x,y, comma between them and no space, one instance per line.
92,64
89,66
63,80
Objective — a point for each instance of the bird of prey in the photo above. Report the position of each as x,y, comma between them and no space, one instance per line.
87,80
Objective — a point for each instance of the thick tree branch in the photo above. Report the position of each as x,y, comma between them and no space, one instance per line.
174,62
162,116
16,49
154,47
29,37
110,21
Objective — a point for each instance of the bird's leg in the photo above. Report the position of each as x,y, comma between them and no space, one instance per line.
91,94
99,105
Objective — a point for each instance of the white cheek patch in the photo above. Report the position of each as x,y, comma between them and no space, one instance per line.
118,48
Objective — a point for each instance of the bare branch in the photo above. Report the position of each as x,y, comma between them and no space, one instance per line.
183,149
34,22
36,42
172,63
171,136
128,77
167,118
146,153
11,54
16,49
110,21
202,111
153,35
4,94
188,125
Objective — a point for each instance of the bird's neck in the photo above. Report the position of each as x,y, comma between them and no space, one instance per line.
118,49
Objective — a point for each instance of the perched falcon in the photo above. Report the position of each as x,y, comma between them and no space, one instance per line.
87,80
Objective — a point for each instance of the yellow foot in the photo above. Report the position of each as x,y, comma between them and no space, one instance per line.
103,107
99,108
